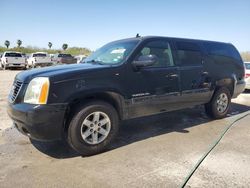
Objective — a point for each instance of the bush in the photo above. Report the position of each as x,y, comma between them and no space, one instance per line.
30,49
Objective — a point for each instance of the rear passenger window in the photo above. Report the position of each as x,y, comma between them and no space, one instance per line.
220,49
161,49
188,53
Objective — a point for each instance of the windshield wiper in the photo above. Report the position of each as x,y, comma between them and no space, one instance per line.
95,62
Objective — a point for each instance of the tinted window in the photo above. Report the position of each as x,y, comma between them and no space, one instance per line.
13,55
64,55
161,49
39,55
221,49
188,53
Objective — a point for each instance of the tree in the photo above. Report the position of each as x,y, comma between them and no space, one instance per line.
50,45
19,43
64,46
7,43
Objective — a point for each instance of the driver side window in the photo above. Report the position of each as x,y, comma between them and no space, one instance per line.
161,49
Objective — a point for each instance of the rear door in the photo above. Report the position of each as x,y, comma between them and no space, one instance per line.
194,85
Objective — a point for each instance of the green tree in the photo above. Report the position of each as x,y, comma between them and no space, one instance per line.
50,45
19,43
64,46
7,43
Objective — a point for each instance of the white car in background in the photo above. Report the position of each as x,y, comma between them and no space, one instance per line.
247,74
39,59
80,58
11,59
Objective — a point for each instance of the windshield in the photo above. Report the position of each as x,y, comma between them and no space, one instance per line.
112,53
247,65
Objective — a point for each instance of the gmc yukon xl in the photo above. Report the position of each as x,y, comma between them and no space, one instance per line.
84,103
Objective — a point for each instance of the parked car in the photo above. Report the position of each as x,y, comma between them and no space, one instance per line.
247,74
11,59
84,103
80,58
64,59
39,59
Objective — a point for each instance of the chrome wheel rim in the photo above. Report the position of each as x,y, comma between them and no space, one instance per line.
95,128
222,103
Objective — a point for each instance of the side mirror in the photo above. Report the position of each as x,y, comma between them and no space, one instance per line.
145,61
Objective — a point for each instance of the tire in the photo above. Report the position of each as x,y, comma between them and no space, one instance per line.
218,107
4,66
33,65
77,130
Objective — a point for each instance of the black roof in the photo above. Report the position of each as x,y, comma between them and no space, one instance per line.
163,37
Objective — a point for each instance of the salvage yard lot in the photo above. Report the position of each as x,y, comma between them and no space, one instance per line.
157,151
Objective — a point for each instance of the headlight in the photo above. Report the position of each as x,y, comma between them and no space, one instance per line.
37,91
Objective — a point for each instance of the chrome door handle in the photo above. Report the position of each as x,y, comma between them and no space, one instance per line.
205,73
172,75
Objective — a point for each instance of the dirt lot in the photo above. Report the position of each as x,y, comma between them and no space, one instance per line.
157,151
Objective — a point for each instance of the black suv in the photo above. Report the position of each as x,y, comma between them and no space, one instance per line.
129,78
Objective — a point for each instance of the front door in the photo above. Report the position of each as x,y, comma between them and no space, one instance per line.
155,88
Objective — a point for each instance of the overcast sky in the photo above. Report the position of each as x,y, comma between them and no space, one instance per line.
92,23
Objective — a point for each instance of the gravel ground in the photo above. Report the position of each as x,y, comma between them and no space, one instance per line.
157,151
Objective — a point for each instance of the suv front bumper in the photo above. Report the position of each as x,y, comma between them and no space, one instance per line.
39,122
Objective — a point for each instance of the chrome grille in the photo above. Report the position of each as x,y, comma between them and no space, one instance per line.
15,90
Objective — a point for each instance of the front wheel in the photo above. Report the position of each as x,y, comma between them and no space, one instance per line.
93,127
218,107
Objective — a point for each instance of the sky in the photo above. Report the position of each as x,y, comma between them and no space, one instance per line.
92,23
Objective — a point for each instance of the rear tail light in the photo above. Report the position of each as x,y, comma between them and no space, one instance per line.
247,75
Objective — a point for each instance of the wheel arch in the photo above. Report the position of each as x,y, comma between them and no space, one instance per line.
229,83
76,102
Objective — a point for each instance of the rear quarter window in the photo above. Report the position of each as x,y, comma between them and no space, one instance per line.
188,53
221,49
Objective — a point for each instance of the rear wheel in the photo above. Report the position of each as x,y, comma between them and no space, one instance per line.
218,107
93,127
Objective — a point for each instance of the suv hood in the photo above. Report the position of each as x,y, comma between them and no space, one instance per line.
59,71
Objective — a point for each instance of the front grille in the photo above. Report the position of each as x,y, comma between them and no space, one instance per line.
15,90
